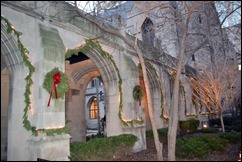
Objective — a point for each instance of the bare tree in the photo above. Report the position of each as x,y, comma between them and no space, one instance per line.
215,86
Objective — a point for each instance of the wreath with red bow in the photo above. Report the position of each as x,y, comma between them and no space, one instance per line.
137,93
56,81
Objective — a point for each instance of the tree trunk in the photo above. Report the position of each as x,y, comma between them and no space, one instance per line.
158,144
221,119
173,119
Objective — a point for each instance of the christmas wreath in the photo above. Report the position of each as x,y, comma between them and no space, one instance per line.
137,93
58,81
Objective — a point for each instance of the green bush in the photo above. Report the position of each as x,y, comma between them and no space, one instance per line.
236,127
199,146
189,125
233,137
229,120
149,133
184,125
102,148
215,143
213,122
209,130
191,147
162,132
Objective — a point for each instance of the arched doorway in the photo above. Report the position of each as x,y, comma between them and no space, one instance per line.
95,108
81,73
12,100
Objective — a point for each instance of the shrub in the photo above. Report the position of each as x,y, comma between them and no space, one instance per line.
213,122
233,137
209,130
199,146
162,132
191,147
189,125
230,120
102,148
149,133
236,127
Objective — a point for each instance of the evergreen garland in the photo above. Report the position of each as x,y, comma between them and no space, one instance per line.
148,64
24,53
90,44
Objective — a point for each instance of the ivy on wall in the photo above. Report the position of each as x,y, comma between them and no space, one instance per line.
90,44
24,53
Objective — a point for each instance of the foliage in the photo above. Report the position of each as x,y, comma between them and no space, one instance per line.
102,148
199,146
62,88
236,127
152,68
189,125
162,132
90,44
232,137
24,53
228,121
137,93
209,130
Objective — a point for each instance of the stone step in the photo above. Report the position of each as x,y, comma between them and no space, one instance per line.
91,132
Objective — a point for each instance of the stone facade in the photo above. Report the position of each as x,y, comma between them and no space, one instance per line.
47,36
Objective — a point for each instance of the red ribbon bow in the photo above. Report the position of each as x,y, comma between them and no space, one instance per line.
57,80
138,90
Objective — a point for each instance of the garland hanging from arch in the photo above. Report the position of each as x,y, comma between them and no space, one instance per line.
90,44
58,81
24,53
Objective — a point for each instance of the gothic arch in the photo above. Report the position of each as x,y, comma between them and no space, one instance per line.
155,90
100,66
148,32
12,61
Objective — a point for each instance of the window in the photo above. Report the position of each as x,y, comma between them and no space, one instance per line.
200,19
93,111
193,57
148,32
93,83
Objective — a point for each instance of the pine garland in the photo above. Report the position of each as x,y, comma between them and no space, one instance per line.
24,53
90,44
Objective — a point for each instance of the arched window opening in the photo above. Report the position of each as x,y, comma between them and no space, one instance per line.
148,32
93,111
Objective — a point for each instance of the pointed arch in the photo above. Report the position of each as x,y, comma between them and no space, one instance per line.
148,32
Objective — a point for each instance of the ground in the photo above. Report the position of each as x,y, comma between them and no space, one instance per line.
230,154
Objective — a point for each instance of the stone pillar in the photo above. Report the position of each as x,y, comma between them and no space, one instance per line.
51,54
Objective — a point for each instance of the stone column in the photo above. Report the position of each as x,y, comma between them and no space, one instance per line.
51,55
